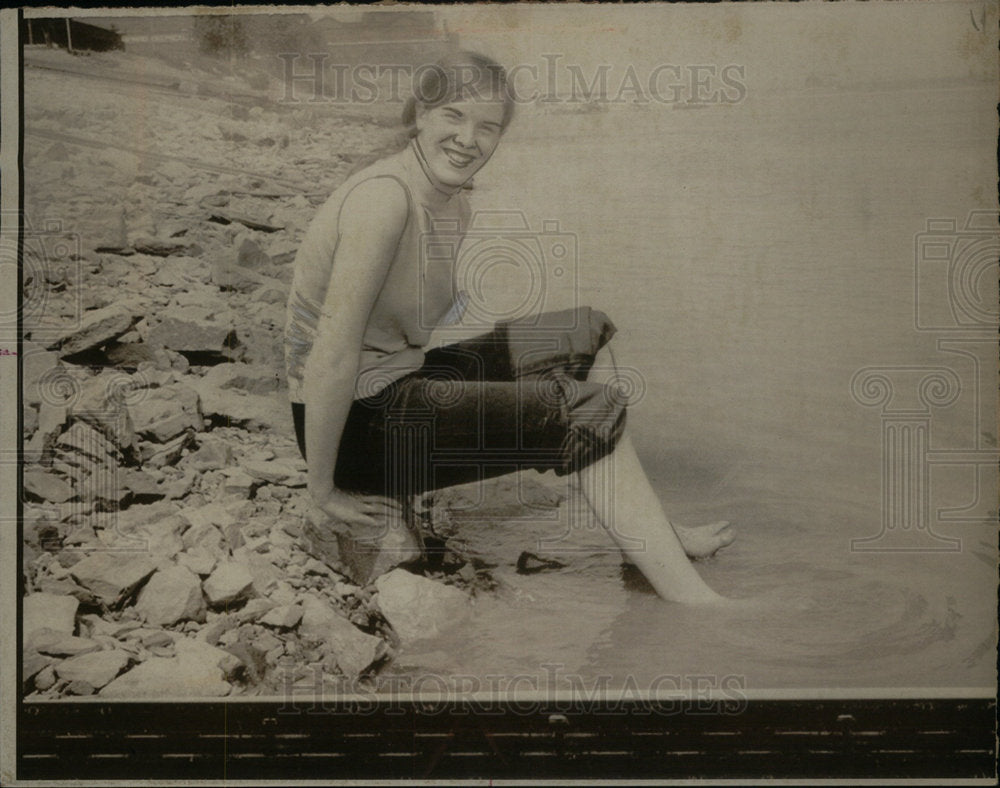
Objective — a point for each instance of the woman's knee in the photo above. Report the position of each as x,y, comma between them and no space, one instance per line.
604,368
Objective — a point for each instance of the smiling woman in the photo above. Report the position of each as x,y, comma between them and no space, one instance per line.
381,421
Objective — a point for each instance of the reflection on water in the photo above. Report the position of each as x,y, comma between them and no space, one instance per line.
754,258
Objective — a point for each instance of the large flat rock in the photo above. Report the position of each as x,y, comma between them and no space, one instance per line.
97,668
49,611
197,671
171,595
418,607
95,328
111,576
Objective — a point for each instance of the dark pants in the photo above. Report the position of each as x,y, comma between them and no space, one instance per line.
511,399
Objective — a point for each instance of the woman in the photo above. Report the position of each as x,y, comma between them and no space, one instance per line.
381,420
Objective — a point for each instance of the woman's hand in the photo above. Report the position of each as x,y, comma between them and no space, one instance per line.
358,509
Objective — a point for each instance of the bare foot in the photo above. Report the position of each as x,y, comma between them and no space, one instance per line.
704,541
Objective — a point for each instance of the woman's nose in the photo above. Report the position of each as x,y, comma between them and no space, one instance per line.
465,136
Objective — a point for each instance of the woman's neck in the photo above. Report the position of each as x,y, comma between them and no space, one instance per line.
430,190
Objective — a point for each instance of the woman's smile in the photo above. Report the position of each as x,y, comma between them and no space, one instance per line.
458,158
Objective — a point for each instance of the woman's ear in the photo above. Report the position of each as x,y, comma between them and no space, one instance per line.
420,113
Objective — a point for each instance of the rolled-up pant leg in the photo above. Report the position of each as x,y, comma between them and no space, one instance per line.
511,399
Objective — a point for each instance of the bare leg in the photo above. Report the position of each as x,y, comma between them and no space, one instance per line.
619,493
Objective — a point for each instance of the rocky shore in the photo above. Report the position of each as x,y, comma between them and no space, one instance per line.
170,548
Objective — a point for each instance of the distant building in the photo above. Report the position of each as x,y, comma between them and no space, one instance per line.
70,34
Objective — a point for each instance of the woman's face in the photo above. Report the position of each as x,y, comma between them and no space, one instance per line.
459,137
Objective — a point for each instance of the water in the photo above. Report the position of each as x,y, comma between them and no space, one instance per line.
754,257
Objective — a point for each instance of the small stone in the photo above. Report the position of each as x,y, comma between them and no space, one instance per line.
96,328
52,420
84,439
129,355
250,255
212,514
355,650
96,669
36,363
229,637
270,294
97,626
166,412
265,574
59,644
80,688
44,486
237,483
229,276
314,567
282,594
139,483
276,472
45,679
160,539
30,424
161,247
171,595
254,609
127,626
157,639
137,517
363,557
198,561
112,577
217,628
32,664
230,581
212,455
203,536
193,329
265,642
417,607
155,455
244,394
179,488
49,611
283,617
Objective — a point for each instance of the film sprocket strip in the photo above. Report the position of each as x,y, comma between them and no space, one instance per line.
665,739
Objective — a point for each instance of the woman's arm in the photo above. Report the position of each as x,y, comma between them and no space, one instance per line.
372,220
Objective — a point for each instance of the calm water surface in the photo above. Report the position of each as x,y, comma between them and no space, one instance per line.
754,257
